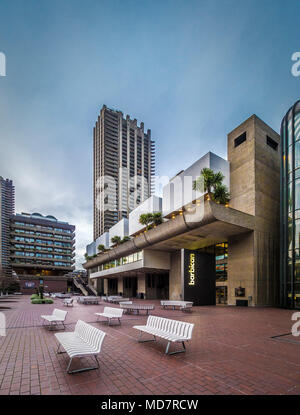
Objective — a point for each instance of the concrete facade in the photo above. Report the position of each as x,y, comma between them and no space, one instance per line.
124,164
249,224
7,209
253,261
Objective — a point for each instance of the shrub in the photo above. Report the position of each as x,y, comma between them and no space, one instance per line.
34,296
41,301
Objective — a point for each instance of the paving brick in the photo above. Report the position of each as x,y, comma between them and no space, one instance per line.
231,353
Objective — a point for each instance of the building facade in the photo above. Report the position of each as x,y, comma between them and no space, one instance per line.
7,209
204,251
41,249
124,164
290,209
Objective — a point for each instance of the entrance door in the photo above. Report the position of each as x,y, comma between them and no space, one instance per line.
221,295
157,286
112,286
130,287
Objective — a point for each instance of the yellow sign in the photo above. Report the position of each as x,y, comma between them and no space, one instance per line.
192,269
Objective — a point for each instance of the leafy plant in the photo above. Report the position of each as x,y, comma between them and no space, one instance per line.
42,301
157,218
221,194
116,240
151,219
125,239
101,248
212,183
146,219
87,257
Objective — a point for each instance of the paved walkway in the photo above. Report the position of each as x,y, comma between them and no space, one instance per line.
231,353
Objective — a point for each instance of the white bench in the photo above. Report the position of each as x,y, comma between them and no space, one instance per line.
90,299
171,330
68,302
85,340
116,299
183,305
58,316
111,313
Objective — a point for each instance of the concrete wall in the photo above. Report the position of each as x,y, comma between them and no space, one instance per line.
241,266
255,189
175,276
49,286
156,259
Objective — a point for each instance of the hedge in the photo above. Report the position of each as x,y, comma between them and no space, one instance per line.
42,301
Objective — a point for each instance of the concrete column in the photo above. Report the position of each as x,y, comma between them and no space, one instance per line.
175,276
141,283
120,285
105,288
241,267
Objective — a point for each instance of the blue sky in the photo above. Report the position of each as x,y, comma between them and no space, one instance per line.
191,70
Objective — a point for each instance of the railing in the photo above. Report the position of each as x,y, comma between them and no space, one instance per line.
80,286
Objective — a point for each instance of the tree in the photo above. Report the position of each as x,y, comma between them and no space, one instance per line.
116,240
101,248
212,183
146,219
157,218
206,180
150,219
125,239
221,194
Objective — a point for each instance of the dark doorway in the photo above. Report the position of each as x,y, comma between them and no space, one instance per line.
157,286
130,287
221,295
112,286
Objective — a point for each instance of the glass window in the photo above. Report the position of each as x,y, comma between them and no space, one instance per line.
297,154
297,194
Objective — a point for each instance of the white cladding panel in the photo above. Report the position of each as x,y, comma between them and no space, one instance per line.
150,205
119,229
179,191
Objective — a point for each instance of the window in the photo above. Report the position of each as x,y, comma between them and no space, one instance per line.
239,140
272,143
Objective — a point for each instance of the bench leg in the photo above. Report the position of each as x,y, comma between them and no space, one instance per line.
58,351
144,341
83,369
176,351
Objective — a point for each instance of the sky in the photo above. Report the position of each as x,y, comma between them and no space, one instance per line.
190,70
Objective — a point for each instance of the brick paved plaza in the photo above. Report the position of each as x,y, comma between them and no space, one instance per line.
231,352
